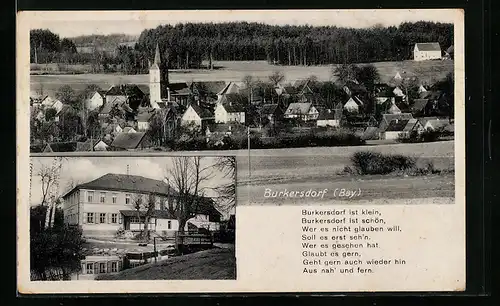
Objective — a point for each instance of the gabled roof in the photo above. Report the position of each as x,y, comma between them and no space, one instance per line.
202,112
179,88
124,182
125,90
128,140
326,114
439,123
410,125
87,145
298,108
145,115
128,129
428,46
211,87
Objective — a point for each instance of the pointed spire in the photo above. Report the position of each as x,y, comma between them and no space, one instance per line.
157,55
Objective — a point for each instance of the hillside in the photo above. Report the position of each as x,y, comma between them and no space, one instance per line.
210,264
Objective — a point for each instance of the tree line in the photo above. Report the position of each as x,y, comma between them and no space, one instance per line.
188,45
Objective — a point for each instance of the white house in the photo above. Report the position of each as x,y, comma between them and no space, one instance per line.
100,146
327,118
143,119
103,206
95,100
196,116
303,111
401,128
426,51
229,112
49,102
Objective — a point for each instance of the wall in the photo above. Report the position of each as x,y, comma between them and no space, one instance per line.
154,85
220,114
94,102
331,122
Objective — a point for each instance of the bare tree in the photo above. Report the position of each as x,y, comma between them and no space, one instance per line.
249,82
187,175
149,210
137,203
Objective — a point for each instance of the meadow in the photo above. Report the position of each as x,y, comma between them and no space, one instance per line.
427,72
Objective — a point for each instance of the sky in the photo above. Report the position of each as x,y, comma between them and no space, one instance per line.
70,24
84,169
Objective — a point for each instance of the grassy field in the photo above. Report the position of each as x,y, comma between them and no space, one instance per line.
426,71
210,264
318,168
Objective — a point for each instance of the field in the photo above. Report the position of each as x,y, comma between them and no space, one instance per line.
427,71
317,168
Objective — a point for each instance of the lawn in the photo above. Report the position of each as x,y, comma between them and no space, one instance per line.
426,71
211,264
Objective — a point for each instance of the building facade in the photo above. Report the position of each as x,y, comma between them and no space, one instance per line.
426,51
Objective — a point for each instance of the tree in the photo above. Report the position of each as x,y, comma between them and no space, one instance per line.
187,175
345,72
50,114
67,46
276,77
249,82
368,75
49,182
227,192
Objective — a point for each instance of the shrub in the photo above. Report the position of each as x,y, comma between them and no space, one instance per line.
365,162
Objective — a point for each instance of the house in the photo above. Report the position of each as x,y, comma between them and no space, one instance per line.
271,112
130,141
387,118
94,265
105,205
327,118
397,77
371,132
353,104
197,116
426,51
228,110
223,129
95,100
398,128
207,91
398,92
179,92
420,107
421,89
393,108
302,111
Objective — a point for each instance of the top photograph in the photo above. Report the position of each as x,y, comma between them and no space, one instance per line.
260,80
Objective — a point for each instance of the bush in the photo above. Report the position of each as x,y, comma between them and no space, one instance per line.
366,162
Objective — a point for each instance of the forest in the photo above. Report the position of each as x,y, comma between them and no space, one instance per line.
189,45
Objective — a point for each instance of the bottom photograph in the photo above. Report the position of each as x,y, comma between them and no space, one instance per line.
132,218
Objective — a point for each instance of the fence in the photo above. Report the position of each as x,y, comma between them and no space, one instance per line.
190,241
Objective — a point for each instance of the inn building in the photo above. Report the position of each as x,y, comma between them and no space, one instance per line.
105,205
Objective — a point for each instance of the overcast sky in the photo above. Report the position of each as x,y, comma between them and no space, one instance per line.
85,169
70,24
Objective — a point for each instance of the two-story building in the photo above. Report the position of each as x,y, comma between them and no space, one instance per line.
107,204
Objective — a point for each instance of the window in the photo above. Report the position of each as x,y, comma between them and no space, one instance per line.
102,267
90,217
102,218
90,196
114,218
114,198
103,197
114,266
134,220
90,268
127,198
169,224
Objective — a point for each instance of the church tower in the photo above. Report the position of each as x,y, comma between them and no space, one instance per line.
155,80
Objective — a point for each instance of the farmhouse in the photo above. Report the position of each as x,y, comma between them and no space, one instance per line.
302,111
130,141
426,51
438,124
353,104
228,111
327,118
49,102
197,116
143,118
230,88
106,204
387,118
